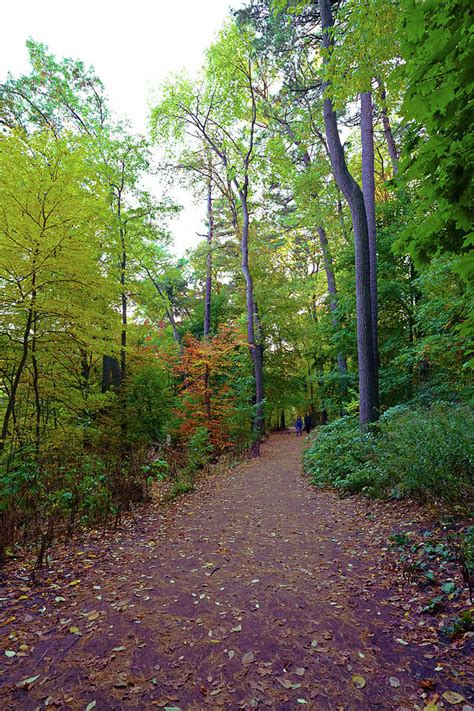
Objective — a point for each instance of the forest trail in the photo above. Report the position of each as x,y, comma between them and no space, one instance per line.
255,591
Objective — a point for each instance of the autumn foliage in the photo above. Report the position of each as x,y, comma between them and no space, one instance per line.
207,396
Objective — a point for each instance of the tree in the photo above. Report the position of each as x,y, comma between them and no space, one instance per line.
437,161
53,222
368,380
221,114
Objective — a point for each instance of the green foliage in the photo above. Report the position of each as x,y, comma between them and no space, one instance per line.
436,46
199,449
179,488
459,624
87,278
157,470
425,454
365,48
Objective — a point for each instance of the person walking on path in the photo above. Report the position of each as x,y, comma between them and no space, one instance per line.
308,422
299,426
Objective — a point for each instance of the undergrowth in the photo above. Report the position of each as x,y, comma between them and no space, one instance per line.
425,454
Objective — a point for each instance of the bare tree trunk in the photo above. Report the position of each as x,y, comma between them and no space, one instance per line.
34,363
329,270
123,297
331,281
368,190
9,412
210,235
368,381
208,295
255,350
387,129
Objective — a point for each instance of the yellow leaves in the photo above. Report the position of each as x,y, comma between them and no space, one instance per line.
358,681
452,697
75,630
74,582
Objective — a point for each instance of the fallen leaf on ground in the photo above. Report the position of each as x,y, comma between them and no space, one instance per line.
248,658
452,697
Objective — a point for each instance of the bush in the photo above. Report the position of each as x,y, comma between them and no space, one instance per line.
199,449
424,454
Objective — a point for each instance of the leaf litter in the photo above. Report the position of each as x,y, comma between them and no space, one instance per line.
333,609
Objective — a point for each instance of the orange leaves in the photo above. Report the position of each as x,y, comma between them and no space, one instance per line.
206,368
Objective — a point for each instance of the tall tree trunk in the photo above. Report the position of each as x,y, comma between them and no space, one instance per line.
9,412
210,235
34,363
331,281
208,294
255,349
123,336
387,129
368,191
123,297
368,381
329,270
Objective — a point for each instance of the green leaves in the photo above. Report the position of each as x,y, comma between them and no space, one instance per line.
439,146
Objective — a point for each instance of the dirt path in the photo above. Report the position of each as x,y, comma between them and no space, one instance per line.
256,591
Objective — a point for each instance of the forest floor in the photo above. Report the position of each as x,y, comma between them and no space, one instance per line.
256,590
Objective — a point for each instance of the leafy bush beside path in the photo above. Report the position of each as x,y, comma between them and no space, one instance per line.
427,454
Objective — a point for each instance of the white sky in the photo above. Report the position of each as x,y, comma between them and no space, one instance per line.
133,47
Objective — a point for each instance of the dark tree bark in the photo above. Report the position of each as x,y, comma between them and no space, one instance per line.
328,265
331,282
10,409
123,298
210,235
368,381
282,420
387,129
110,373
208,294
34,363
368,191
254,346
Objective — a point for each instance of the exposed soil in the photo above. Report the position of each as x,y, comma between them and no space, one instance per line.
255,591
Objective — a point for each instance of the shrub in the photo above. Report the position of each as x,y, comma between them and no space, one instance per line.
199,449
420,453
